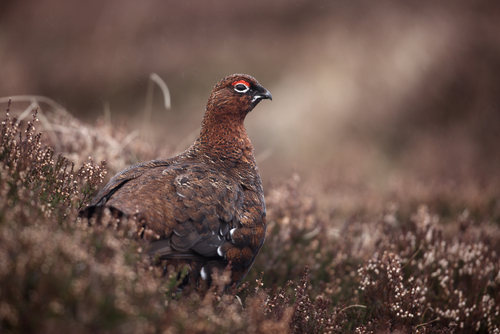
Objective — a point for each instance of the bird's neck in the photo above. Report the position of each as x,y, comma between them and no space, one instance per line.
225,138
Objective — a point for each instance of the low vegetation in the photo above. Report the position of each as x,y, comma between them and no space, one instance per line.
404,271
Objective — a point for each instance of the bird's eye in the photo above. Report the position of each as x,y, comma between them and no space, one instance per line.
241,86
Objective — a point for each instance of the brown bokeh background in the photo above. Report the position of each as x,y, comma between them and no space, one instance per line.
392,98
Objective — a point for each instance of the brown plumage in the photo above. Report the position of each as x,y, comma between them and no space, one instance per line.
205,206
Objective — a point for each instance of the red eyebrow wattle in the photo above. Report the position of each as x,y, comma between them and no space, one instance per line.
243,82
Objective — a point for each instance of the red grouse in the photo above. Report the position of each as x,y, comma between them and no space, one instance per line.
204,207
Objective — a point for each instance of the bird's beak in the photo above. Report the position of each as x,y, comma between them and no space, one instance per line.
263,94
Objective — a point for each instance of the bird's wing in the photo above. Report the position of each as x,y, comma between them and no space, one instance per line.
193,209
129,173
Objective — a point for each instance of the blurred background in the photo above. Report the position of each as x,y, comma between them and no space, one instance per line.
371,100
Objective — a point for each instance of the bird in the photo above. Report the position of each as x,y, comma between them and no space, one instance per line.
203,208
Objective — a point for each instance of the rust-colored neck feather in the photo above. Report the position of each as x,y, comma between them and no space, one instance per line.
222,130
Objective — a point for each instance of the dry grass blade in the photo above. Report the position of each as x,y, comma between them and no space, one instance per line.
148,108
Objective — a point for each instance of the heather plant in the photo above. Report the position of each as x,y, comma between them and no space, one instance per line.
30,171
318,272
426,280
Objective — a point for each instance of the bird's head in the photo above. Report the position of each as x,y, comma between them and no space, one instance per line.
237,94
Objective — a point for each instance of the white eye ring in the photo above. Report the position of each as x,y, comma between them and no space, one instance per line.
241,88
